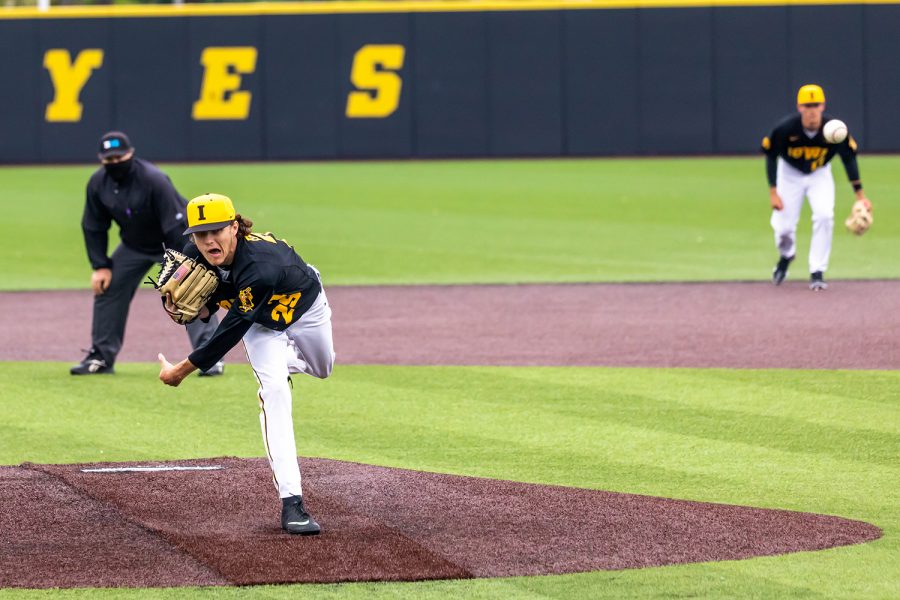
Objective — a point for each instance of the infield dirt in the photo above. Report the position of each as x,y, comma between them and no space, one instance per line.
852,325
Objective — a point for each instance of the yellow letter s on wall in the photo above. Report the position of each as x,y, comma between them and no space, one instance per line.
385,84
220,95
68,79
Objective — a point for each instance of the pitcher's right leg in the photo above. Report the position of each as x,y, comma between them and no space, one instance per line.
266,351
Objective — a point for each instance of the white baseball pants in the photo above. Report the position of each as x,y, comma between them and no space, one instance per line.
304,347
793,185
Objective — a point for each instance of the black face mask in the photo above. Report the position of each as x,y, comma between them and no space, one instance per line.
119,170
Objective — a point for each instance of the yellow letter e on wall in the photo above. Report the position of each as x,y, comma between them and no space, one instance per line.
68,79
221,97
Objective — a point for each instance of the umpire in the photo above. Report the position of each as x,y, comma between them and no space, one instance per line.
149,212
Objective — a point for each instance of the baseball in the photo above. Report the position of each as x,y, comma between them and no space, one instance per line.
835,131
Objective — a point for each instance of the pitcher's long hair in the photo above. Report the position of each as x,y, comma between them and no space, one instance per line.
245,225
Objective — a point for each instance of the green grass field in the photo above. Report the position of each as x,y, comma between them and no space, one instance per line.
800,440
479,221
818,441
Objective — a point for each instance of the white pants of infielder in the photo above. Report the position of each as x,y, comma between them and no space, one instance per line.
304,347
792,187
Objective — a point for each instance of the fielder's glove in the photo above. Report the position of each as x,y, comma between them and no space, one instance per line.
860,218
185,286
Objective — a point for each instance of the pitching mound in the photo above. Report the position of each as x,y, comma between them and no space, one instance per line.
216,522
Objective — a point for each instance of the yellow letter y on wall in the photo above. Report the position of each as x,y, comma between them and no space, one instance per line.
220,98
68,80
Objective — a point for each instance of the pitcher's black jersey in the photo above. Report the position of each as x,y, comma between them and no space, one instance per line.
806,154
267,283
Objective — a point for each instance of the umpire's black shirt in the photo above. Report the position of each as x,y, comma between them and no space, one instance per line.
145,205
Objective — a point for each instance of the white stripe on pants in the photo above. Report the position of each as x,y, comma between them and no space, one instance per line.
304,347
792,187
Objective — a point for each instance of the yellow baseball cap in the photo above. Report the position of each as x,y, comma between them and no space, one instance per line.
810,94
209,212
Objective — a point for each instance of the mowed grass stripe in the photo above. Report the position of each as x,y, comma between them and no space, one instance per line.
451,419
651,407
480,221
815,397
740,426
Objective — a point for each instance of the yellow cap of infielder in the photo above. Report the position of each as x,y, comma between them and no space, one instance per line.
810,94
209,212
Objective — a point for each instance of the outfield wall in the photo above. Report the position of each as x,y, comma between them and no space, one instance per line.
439,79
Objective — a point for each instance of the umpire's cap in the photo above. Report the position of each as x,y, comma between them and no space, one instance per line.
810,94
209,212
114,143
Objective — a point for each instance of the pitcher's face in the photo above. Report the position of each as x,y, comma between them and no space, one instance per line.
218,246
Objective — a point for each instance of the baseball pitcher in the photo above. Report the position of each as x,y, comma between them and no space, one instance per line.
275,304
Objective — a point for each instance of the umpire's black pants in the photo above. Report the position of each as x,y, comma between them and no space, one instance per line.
111,308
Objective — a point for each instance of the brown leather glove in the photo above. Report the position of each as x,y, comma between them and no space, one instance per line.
185,286
860,218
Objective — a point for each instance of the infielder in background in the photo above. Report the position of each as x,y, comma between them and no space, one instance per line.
797,166
277,305
149,212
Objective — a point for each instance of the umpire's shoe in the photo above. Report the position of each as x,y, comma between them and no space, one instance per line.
93,364
817,282
781,269
216,369
295,519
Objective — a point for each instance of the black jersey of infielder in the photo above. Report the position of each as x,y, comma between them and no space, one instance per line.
806,154
267,283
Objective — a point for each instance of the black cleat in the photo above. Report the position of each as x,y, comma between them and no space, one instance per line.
93,364
781,269
817,282
295,519
216,369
